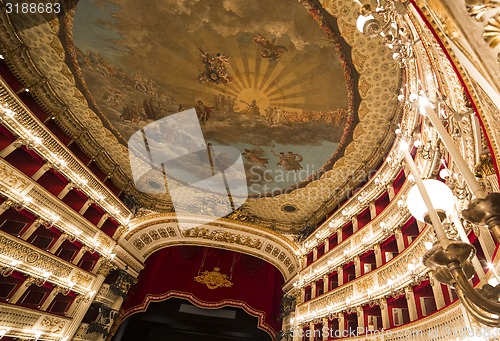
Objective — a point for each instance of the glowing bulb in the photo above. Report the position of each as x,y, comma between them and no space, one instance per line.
14,263
425,105
444,173
493,282
428,245
8,112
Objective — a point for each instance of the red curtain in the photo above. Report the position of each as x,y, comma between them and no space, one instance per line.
171,272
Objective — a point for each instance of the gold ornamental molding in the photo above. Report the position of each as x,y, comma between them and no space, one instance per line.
390,278
214,279
23,252
32,132
24,191
223,236
42,264
21,322
59,95
445,34
162,230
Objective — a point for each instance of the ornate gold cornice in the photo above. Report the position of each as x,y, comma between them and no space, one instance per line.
37,263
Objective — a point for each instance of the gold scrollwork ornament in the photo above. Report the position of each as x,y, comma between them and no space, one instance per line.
214,279
491,33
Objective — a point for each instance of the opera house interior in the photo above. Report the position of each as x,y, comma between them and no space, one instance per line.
134,206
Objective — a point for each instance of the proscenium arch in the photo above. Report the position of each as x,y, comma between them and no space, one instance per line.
154,232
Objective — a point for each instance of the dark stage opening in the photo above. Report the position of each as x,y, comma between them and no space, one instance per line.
178,319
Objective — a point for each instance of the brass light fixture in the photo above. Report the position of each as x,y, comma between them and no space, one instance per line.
431,201
386,20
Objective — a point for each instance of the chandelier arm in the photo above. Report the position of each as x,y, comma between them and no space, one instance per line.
476,312
463,284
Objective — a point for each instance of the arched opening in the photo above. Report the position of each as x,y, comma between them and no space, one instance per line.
178,319
206,278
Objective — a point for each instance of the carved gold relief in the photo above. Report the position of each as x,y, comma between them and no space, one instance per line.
154,234
13,249
12,181
51,324
477,8
105,268
104,241
213,279
366,284
146,238
138,244
223,236
485,166
163,233
491,33
81,279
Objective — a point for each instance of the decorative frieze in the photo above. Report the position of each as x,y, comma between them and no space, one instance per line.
24,252
386,280
41,265
223,236
23,322
23,191
51,148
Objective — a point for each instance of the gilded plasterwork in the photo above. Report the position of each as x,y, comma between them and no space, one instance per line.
214,279
23,252
223,236
471,45
252,240
379,76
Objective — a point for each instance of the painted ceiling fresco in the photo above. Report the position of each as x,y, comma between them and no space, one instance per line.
266,77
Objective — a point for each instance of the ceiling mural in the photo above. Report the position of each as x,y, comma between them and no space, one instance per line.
267,78
306,99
